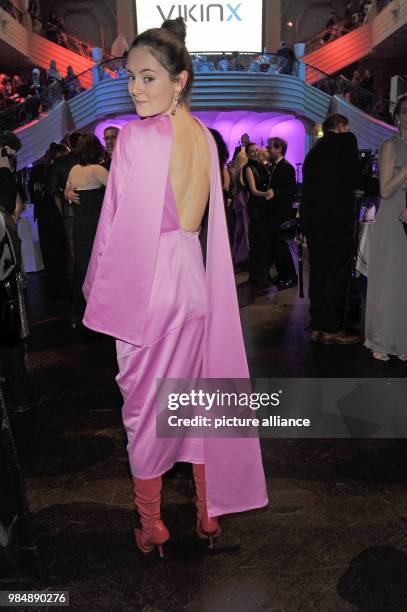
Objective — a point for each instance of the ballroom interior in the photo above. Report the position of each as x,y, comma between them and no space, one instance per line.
333,537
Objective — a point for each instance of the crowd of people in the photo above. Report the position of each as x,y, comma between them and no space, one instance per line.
67,188
280,62
355,14
25,98
259,186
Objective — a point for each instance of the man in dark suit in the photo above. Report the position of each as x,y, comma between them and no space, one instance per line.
59,176
331,173
287,58
283,187
110,134
244,141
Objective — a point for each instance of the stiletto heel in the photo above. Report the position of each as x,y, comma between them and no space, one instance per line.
153,532
207,528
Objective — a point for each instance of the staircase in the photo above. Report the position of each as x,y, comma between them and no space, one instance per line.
350,48
17,43
222,92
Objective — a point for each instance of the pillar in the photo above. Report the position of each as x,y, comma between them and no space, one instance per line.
97,56
126,19
272,25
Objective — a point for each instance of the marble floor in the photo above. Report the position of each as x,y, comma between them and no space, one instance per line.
334,537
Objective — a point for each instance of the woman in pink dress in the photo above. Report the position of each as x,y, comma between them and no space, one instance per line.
147,286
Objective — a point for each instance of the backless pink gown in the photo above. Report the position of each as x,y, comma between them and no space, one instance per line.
172,317
173,347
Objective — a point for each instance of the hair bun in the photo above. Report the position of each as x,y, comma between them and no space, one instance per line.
177,27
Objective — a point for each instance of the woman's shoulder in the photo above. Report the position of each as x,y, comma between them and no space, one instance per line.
143,126
390,143
137,135
394,139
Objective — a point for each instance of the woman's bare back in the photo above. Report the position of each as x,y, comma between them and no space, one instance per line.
190,170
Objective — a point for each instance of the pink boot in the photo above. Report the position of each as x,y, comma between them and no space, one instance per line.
206,528
148,499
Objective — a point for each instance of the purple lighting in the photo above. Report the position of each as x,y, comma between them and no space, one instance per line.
259,126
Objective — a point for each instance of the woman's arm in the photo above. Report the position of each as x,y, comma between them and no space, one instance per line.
69,193
17,211
101,174
390,182
226,180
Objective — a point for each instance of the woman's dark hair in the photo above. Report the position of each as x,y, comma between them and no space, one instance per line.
56,149
167,44
397,108
8,190
223,152
90,149
32,7
73,140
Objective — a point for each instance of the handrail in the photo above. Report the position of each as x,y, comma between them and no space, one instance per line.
17,115
366,98
63,38
111,68
330,34
78,45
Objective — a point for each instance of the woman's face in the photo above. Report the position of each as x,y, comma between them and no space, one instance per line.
402,116
150,85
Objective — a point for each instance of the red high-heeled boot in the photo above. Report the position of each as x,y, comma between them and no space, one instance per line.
148,498
207,528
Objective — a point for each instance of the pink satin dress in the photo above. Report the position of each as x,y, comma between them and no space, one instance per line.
173,347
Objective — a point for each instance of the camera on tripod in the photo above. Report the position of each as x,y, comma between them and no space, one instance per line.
369,174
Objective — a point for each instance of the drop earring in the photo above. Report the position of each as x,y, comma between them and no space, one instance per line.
175,103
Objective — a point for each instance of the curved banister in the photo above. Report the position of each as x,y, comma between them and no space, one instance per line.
267,64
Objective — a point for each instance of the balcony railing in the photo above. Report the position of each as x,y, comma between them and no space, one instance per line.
267,64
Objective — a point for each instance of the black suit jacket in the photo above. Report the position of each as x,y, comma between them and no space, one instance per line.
331,172
284,185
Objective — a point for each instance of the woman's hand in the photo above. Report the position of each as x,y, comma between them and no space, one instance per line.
403,216
269,194
72,196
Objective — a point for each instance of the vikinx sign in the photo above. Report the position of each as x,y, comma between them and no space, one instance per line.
211,26
202,12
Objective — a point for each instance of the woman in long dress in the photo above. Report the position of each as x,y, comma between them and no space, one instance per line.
386,331
85,189
173,315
